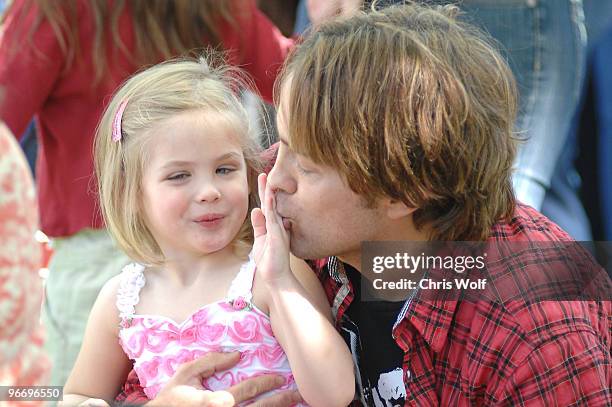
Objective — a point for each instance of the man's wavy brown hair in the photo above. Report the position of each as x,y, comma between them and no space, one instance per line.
413,104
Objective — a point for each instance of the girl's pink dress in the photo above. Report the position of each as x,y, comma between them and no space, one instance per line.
158,345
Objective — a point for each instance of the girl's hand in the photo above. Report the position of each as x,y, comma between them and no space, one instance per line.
271,246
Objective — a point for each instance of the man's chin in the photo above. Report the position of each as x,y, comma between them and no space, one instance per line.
297,249
303,251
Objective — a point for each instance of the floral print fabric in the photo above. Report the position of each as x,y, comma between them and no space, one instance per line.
22,360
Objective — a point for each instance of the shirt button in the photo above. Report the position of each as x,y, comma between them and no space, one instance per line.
408,374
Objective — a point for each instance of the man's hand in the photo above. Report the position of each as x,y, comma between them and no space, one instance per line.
185,388
94,403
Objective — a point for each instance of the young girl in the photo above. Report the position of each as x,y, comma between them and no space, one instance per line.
177,169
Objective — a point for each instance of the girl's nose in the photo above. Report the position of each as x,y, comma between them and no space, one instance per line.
209,193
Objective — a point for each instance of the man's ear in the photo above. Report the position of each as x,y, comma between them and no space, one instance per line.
397,209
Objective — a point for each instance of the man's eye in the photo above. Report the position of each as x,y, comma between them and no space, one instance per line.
224,170
302,169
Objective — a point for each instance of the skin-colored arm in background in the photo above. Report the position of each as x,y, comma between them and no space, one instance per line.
321,10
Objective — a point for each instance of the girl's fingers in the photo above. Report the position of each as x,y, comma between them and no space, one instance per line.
261,187
274,221
279,219
269,212
258,220
262,226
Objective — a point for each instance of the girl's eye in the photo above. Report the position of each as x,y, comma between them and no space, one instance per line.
224,170
178,177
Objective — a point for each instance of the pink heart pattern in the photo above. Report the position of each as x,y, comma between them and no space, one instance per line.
159,345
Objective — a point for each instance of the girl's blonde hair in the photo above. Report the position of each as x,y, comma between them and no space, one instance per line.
151,96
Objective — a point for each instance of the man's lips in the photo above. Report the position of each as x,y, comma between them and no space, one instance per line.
286,219
286,223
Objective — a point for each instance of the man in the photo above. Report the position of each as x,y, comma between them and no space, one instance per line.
397,126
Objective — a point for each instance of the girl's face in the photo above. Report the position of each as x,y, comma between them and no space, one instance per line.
194,189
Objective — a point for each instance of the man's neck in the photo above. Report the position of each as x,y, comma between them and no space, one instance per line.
399,231
404,231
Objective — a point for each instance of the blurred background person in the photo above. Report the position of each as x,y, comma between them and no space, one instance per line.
22,359
585,168
596,122
59,63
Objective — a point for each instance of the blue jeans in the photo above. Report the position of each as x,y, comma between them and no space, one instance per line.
545,44
562,204
603,81
302,21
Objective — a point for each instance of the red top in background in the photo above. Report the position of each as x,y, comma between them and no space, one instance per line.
68,107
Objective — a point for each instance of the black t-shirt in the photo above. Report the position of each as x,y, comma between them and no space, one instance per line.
367,328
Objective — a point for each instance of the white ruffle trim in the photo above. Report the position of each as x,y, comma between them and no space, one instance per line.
243,282
132,280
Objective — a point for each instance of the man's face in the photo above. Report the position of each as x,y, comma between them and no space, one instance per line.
325,217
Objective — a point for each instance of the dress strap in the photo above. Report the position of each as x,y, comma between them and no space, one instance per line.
131,281
242,286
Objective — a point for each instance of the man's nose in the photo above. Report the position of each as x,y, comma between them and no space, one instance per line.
281,178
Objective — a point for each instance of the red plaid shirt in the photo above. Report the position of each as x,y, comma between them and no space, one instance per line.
459,353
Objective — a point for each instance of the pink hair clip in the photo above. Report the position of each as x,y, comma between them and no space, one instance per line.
117,121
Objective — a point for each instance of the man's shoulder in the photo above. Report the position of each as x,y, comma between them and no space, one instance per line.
551,342
544,280
506,344
532,259
532,324
527,224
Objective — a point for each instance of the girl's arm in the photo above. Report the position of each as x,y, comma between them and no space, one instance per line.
300,316
101,367
302,322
